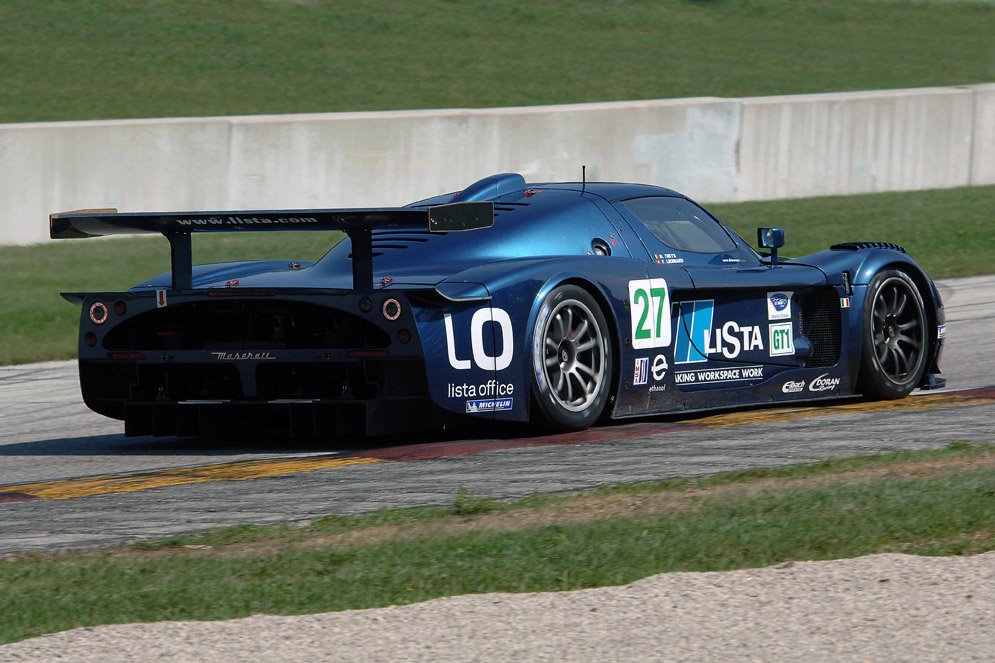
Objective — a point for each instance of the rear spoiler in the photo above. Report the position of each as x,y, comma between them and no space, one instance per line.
358,224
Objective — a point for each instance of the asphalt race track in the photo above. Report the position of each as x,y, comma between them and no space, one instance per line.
69,478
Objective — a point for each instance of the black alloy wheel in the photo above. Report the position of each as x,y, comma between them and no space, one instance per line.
896,338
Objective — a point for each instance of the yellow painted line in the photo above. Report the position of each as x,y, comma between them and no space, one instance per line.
793,414
67,489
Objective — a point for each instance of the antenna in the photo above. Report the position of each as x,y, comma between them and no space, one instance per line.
583,178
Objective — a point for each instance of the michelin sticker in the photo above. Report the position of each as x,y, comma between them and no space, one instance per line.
778,306
488,405
781,339
649,305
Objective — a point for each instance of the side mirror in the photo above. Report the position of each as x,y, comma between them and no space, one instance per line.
771,238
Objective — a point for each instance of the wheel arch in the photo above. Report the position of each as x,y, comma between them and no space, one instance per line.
615,330
931,303
523,285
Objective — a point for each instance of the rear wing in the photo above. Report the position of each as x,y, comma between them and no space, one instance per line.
358,224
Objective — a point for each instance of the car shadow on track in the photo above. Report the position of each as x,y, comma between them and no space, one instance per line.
221,446
468,437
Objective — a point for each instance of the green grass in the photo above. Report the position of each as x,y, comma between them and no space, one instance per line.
825,512
38,325
949,231
69,60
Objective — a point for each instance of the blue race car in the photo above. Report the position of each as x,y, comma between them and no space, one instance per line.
559,304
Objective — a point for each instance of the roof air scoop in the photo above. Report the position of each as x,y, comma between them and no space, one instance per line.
491,187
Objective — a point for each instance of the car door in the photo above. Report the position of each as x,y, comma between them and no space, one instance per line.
738,323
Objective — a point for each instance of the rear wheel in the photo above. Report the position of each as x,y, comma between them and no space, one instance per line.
895,336
572,360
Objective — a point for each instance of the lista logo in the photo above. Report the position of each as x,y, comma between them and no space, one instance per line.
697,339
480,342
824,383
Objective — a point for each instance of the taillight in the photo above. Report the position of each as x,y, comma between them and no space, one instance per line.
392,309
98,313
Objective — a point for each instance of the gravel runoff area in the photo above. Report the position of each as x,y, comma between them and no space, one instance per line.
877,608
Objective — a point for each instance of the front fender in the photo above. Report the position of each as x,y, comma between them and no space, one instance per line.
862,264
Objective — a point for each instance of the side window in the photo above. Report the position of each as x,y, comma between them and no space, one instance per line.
680,224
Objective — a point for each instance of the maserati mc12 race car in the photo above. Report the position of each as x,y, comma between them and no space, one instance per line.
559,304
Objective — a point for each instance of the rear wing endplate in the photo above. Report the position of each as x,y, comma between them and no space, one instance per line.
358,224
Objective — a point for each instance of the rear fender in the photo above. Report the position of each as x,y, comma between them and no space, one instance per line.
520,288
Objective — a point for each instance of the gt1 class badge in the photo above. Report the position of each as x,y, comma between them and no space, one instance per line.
781,339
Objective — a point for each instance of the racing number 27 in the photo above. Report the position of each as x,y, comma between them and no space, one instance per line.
649,303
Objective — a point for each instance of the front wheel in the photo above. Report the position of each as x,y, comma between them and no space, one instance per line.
572,359
895,336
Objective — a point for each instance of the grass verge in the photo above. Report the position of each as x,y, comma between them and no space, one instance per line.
949,231
66,60
936,502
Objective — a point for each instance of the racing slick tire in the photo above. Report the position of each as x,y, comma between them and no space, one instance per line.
571,360
896,341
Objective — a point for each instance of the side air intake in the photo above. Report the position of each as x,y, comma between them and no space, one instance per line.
857,246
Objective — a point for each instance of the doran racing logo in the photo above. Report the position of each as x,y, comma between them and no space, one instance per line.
824,383
793,386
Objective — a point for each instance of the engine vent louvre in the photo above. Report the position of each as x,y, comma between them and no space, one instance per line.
821,323
393,240
856,246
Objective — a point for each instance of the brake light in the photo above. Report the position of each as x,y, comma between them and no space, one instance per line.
98,313
392,309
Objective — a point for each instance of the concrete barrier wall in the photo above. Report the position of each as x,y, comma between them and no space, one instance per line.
861,142
353,159
983,147
712,149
